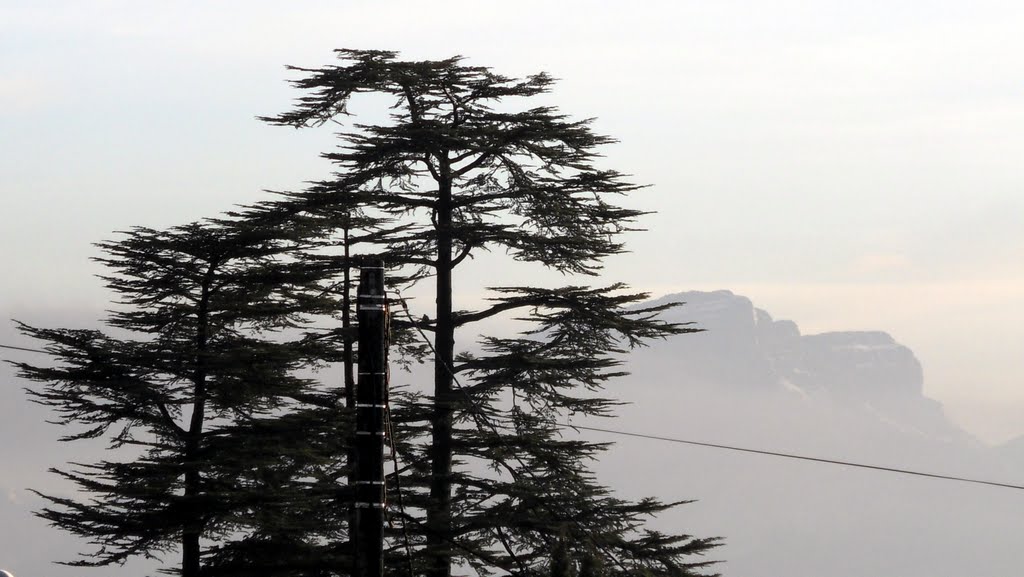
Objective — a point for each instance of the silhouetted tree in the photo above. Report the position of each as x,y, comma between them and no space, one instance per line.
240,447
488,480
221,434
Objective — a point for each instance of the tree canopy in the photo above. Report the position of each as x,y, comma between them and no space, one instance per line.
195,384
243,449
466,171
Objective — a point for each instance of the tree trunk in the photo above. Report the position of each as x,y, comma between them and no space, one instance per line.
192,521
439,520
190,553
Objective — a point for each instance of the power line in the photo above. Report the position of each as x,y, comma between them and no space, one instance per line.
734,448
731,447
800,457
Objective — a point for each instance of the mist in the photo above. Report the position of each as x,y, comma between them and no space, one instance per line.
852,169
748,381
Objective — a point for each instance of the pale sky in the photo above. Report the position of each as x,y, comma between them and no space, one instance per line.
846,165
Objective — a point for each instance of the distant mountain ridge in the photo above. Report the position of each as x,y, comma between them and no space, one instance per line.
865,377
751,381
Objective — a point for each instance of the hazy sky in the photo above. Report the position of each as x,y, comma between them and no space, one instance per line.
847,165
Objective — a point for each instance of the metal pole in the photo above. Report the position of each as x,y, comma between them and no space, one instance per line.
371,404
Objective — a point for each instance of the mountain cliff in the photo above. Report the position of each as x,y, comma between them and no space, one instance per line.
751,381
743,353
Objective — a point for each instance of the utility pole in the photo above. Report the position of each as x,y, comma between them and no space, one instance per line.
371,405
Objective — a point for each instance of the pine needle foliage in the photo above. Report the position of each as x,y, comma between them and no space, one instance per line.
457,169
201,383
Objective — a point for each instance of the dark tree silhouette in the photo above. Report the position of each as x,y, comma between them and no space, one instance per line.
488,479
240,454
220,430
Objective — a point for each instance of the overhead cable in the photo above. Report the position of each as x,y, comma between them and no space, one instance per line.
793,456
740,449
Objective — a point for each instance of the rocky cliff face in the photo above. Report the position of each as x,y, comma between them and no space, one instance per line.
856,363
752,381
744,346
865,376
